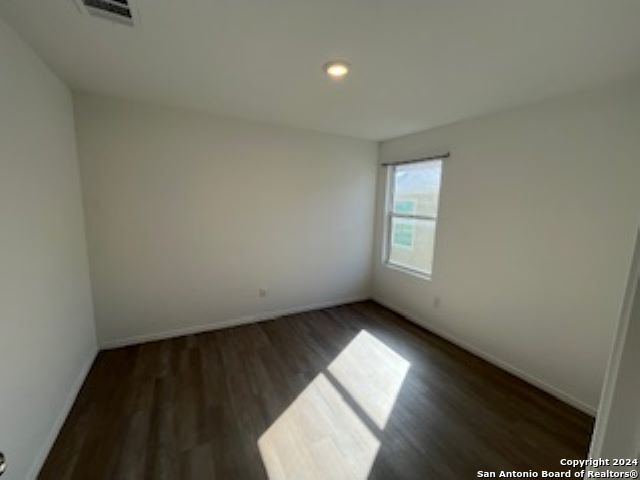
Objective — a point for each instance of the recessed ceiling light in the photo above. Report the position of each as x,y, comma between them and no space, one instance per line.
336,68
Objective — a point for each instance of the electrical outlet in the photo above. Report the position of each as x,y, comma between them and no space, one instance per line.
436,301
262,292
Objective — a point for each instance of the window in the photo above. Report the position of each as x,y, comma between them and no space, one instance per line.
412,214
404,234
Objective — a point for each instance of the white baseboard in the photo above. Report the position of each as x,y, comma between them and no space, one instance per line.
533,380
38,463
233,322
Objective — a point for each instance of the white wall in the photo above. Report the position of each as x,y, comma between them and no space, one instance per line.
539,208
189,215
47,337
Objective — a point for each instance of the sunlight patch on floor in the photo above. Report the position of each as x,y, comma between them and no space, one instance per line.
320,436
372,373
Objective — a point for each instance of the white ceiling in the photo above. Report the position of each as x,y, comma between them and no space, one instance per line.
416,63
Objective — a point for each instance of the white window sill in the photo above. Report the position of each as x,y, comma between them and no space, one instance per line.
408,271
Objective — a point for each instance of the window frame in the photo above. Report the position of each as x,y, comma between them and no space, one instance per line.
390,215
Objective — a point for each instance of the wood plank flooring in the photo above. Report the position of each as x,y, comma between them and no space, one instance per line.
354,391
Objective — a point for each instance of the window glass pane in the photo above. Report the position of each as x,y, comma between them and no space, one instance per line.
417,187
411,243
404,206
403,234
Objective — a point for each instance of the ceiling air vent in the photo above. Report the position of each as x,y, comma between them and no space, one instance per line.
117,10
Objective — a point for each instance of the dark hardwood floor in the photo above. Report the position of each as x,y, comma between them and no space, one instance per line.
196,406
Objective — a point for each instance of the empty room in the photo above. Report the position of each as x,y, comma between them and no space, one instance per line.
319,239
